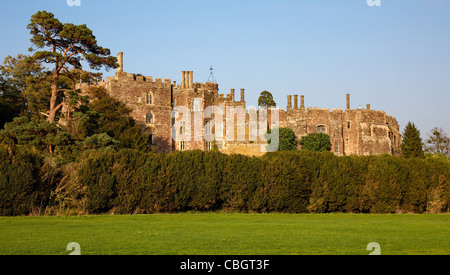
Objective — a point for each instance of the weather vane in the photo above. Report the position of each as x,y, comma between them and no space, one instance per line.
211,77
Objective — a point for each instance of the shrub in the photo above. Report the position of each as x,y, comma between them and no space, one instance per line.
21,190
316,142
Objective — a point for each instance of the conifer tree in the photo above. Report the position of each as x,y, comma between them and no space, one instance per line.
412,145
68,46
266,100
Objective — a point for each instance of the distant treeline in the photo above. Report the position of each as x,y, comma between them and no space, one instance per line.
132,182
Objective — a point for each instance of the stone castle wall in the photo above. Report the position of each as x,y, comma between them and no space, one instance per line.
352,131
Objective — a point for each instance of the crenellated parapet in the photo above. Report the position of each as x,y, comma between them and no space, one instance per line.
122,77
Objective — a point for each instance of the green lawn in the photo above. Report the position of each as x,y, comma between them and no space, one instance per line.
227,234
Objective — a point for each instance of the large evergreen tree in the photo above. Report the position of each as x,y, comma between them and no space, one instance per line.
412,145
23,88
68,46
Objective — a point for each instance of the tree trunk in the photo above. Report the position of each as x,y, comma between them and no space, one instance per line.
52,112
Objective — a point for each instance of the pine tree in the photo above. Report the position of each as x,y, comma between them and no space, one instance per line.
412,145
69,45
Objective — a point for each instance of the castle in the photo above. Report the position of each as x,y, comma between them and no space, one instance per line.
190,116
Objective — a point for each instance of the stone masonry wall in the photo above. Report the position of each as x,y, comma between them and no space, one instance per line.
352,131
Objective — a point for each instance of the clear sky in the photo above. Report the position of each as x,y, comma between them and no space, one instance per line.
395,57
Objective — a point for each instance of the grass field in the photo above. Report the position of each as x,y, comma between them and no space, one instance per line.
227,234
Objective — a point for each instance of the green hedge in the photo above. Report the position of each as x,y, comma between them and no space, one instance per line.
289,182
129,182
23,190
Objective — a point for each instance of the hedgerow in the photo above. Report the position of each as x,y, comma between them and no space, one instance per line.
130,182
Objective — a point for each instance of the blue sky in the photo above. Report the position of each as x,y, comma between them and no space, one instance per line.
395,57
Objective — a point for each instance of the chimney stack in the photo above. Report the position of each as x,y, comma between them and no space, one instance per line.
187,78
302,105
368,106
183,79
295,102
242,95
120,61
289,102
348,101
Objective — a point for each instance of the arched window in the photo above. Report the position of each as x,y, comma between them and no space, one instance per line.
321,129
149,118
149,98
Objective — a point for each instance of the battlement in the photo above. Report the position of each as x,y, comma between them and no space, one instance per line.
130,77
205,86
122,76
231,96
312,109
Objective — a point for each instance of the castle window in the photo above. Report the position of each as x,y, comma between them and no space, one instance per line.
181,146
182,127
321,129
336,147
348,125
149,118
149,98
208,146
